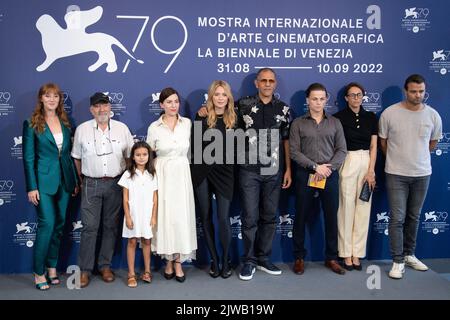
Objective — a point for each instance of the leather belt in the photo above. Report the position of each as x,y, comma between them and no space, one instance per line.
103,178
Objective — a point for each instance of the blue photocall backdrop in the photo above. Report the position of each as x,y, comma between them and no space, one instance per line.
131,50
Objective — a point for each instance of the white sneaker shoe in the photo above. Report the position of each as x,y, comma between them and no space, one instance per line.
397,270
416,264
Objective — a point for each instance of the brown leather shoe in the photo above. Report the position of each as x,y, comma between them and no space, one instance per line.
107,275
84,279
299,266
334,266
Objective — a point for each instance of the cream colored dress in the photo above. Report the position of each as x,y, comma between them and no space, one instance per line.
176,232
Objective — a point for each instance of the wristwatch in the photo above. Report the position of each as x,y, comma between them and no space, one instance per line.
314,167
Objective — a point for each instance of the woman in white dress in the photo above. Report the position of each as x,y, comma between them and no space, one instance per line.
176,236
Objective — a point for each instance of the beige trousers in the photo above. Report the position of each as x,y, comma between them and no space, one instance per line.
353,214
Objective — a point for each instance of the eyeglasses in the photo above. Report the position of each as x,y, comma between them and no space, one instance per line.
102,148
267,81
355,95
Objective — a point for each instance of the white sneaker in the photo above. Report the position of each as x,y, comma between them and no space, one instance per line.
416,264
397,270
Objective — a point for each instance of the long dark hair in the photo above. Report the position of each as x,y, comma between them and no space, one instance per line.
131,164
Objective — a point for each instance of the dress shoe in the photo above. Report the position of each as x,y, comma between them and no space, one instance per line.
169,276
179,278
347,267
299,266
334,266
214,270
357,266
107,275
226,271
84,279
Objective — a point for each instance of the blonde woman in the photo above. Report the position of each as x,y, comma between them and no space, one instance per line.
215,175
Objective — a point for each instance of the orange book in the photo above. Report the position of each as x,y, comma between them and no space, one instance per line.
316,184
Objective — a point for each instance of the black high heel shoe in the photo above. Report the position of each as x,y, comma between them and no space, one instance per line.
181,278
53,280
214,270
357,266
347,267
169,276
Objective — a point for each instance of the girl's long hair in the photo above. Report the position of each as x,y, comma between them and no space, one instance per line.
229,116
149,166
38,116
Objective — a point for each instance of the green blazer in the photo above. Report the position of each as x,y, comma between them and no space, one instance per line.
45,167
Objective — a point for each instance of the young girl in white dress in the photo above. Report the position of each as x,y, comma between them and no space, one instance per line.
176,236
140,203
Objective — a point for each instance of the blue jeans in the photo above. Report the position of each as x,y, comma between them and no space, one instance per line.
259,198
406,197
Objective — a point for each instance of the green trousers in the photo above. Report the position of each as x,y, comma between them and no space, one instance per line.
51,218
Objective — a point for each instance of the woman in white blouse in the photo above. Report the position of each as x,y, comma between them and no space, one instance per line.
176,237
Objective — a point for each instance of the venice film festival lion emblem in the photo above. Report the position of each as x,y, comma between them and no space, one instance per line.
59,43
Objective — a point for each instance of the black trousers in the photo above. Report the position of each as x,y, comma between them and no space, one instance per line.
329,198
204,195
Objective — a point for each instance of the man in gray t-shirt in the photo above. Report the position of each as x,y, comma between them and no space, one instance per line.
408,131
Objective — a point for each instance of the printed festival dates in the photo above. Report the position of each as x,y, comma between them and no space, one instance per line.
322,68
233,67
345,68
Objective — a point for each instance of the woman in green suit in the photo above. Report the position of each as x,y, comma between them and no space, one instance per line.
50,178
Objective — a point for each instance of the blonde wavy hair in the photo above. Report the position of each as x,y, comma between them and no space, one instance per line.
229,116
38,116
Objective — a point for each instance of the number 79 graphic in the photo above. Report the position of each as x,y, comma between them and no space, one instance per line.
175,52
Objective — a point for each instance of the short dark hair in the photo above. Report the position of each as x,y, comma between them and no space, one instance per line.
315,87
167,92
416,78
354,84
265,69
